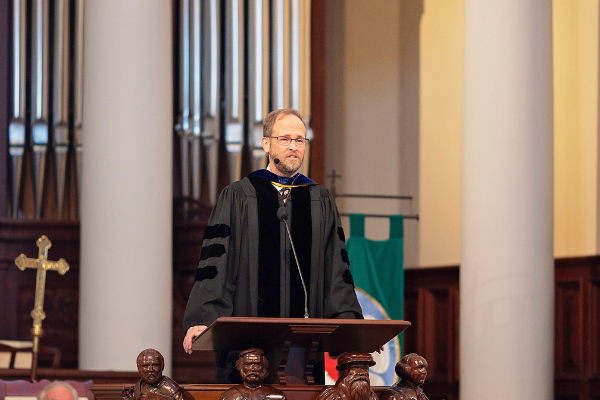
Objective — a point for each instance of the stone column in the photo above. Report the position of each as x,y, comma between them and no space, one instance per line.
507,274
126,202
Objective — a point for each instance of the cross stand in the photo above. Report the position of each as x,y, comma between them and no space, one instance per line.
42,264
333,176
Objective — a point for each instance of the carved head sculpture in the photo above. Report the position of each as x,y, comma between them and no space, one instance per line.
412,367
150,364
253,366
354,374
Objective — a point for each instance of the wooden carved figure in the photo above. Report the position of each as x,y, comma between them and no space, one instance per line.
153,385
253,367
354,382
412,370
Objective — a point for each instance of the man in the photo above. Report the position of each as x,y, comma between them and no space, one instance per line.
354,382
58,390
153,385
412,369
246,265
253,367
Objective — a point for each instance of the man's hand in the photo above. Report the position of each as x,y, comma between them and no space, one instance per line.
191,335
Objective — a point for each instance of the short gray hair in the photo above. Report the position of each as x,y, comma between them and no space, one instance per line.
54,384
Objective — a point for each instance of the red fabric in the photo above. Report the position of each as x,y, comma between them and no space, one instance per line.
330,365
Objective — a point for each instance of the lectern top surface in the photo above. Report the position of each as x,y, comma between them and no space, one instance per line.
333,335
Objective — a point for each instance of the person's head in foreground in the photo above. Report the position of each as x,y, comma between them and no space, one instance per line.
58,390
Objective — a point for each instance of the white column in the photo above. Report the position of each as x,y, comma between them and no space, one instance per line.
126,204
507,275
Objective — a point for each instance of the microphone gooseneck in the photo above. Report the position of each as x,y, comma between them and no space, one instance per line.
283,214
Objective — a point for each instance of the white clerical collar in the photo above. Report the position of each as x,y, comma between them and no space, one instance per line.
279,188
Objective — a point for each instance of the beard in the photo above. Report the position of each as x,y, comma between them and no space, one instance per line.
358,386
288,166
360,390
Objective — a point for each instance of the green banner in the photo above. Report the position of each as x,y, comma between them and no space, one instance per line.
378,271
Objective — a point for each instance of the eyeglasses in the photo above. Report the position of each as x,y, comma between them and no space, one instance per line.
286,140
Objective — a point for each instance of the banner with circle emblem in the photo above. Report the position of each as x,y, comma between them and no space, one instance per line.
378,271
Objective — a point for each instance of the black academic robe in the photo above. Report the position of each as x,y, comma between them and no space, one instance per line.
227,280
247,267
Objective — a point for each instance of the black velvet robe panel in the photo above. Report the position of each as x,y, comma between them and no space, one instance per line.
277,269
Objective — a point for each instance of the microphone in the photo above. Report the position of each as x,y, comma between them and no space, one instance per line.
283,214
276,160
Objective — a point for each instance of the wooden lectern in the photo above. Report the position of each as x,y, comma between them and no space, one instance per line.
292,344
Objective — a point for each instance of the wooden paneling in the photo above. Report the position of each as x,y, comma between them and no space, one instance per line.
595,325
569,330
431,304
577,340
17,288
187,242
61,300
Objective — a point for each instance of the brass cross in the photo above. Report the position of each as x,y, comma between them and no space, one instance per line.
42,264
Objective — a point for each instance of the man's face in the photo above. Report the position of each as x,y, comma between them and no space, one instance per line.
253,371
291,156
151,368
418,371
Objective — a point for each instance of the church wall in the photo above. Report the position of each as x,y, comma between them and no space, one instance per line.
363,116
576,148
441,124
415,148
575,35
353,98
